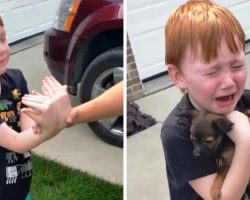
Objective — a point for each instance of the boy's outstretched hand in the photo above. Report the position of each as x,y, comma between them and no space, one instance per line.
50,109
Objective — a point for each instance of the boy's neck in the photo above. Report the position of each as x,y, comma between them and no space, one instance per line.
196,106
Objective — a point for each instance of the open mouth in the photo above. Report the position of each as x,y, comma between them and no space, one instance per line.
2,61
225,99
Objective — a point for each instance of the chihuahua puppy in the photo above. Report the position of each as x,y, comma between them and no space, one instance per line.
209,138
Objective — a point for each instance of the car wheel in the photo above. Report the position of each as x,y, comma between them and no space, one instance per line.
105,71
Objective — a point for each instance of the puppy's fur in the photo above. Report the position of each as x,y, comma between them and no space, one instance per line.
209,138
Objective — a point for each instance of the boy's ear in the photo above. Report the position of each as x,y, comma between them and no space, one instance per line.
176,76
222,125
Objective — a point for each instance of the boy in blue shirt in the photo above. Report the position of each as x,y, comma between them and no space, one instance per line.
17,135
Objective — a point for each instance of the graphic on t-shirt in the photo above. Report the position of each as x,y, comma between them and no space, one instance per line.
26,170
13,171
11,116
11,157
3,116
7,112
18,107
11,175
5,104
16,94
27,155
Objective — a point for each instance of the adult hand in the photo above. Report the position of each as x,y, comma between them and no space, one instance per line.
54,99
240,132
59,96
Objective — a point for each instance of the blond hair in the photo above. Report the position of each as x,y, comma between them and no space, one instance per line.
201,24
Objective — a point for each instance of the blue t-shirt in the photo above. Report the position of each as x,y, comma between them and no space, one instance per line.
178,150
15,168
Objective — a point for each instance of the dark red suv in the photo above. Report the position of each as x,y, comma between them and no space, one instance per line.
85,45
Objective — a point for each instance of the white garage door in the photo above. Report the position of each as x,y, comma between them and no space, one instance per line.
145,23
23,18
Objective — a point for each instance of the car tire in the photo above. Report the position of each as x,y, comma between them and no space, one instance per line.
103,73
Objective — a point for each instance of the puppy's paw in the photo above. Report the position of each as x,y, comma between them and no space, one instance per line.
215,193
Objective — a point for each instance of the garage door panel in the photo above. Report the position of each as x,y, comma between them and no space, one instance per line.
24,18
147,52
134,6
146,33
44,21
148,18
229,3
147,72
146,21
241,12
3,7
16,4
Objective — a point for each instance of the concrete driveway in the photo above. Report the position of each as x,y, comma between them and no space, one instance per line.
78,146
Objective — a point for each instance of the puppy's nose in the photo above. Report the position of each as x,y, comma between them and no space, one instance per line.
196,153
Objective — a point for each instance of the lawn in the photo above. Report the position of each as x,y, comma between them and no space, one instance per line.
53,181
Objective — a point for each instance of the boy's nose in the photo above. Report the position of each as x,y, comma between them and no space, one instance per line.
2,47
227,81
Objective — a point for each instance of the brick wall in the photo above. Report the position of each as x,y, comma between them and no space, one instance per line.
134,85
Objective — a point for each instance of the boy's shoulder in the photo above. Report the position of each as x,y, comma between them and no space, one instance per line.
13,76
11,72
246,94
244,102
176,124
174,117
13,79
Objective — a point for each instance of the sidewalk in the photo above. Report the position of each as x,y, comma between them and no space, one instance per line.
146,165
146,170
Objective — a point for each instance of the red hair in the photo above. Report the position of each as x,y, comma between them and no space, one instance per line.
1,21
201,24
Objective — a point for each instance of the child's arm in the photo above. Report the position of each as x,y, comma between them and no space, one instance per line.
47,119
238,175
24,141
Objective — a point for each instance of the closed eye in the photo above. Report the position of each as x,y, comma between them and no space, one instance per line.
238,67
210,73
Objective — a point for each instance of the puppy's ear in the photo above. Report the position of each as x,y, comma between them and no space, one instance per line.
190,114
222,125
247,112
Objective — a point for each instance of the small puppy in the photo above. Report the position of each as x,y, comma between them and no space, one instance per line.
209,138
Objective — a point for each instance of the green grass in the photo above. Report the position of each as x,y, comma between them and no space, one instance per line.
53,181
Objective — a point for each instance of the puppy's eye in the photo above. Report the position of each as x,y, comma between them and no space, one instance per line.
192,138
209,141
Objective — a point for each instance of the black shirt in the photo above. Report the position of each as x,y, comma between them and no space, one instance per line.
15,168
178,150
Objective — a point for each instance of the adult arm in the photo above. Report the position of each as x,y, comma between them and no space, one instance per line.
108,104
